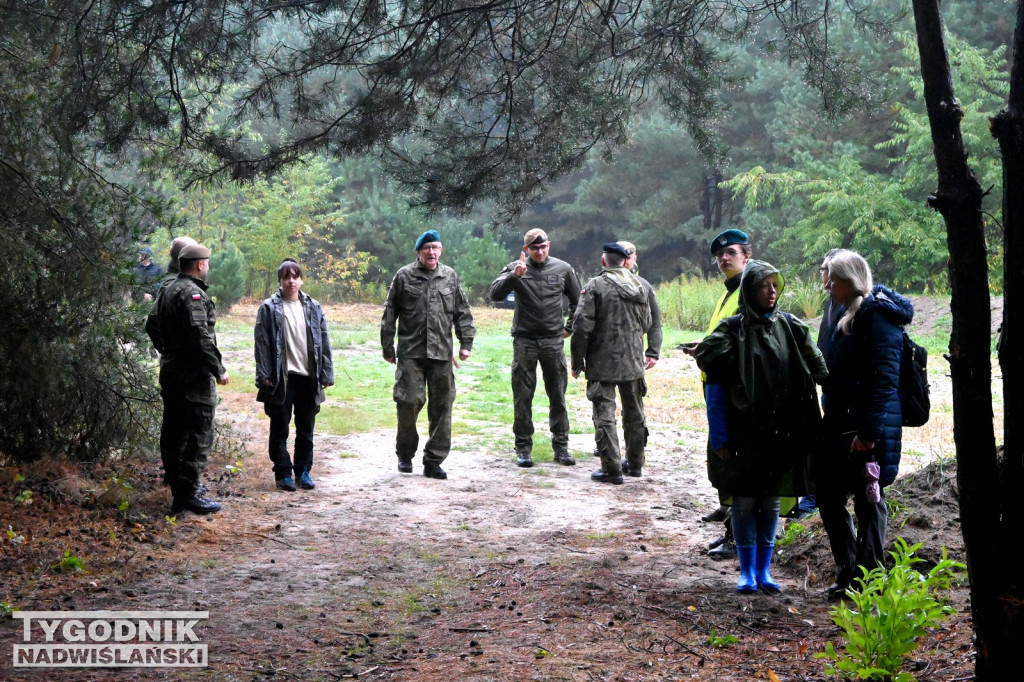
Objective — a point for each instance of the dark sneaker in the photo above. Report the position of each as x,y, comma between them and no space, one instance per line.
286,483
197,504
305,481
563,457
405,466
523,458
431,470
628,470
602,477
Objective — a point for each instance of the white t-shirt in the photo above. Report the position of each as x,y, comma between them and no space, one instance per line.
296,351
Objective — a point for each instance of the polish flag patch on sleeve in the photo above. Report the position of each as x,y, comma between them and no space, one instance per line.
197,297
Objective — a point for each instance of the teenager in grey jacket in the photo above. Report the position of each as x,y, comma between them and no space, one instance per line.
293,366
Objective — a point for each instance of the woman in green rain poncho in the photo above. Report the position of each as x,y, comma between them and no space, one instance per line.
763,417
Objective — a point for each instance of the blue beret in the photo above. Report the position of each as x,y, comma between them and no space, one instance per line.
729,237
146,250
427,237
615,247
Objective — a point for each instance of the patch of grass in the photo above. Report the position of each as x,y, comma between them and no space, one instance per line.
688,302
410,604
353,418
801,298
347,455
601,537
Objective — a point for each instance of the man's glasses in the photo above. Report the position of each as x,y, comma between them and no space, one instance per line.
538,247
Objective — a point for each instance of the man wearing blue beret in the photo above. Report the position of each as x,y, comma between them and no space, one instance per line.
425,302
608,345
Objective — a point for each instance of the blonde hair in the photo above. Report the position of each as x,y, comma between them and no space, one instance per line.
851,266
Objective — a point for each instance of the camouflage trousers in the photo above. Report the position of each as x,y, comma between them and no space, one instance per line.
550,353
415,380
634,423
186,438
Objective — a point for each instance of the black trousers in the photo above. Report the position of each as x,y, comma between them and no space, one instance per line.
186,434
863,547
300,398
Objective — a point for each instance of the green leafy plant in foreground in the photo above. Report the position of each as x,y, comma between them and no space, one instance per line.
789,536
70,563
719,641
891,610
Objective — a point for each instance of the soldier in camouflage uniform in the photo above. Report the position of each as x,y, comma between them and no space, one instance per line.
608,345
181,327
654,338
424,302
539,328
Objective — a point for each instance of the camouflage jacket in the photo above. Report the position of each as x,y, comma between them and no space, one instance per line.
422,307
654,334
608,334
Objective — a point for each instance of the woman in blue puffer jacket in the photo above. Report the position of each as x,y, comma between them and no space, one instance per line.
863,419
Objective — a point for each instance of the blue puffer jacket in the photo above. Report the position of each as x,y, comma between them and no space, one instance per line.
860,395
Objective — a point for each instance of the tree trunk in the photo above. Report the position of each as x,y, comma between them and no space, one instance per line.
958,200
1008,129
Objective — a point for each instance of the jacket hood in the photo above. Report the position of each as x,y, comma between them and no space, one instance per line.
753,274
895,307
627,283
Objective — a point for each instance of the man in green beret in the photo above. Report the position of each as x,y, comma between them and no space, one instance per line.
181,327
425,302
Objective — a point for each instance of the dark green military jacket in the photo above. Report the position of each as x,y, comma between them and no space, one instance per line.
422,306
654,334
608,333
181,327
539,293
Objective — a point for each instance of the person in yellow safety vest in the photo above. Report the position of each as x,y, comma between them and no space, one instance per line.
731,250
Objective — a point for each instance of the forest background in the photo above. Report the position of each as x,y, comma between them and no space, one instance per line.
88,186
798,181
105,121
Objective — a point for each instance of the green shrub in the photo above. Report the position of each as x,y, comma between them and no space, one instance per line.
688,302
803,299
227,277
892,609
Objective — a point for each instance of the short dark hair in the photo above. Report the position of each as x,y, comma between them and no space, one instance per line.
288,267
188,264
613,260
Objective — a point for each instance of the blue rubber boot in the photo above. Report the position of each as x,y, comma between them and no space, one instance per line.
748,582
764,561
